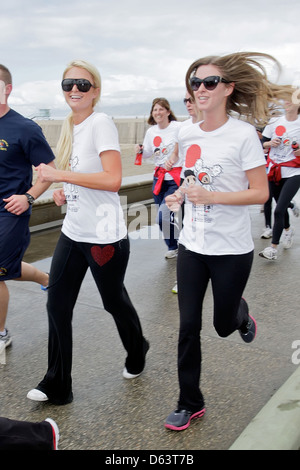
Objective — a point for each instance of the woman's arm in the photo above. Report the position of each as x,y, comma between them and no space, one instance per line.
109,179
257,192
172,159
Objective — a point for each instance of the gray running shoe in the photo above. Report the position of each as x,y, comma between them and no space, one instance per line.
7,339
180,419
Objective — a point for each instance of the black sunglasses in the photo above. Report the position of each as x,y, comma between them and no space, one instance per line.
187,100
82,84
210,83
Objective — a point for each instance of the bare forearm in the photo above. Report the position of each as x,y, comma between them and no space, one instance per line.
240,198
102,180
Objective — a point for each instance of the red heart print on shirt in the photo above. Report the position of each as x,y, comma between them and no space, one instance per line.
102,255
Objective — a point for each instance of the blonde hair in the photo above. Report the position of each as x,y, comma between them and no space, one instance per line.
254,96
65,141
165,104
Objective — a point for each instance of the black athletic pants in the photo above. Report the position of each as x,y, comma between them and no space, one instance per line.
24,435
69,265
228,275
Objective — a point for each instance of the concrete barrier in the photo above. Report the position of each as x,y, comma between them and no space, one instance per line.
277,425
130,130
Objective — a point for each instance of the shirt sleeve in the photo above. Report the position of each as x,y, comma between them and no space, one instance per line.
105,134
148,144
267,132
36,146
252,151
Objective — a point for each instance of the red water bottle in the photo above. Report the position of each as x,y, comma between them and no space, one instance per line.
295,145
139,156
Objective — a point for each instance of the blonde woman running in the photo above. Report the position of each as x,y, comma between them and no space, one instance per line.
94,233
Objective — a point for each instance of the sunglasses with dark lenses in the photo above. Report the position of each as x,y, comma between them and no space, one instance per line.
82,84
210,83
187,100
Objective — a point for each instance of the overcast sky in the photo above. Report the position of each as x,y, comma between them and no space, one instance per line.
141,48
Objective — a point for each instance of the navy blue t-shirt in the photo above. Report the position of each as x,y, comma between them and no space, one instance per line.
22,145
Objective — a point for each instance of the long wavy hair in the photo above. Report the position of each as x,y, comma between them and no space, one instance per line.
254,97
65,141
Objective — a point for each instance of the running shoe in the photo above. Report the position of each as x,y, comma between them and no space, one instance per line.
248,332
295,209
288,237
269,253
55,432
181,419
267,233
249,328
129,375
37,395
171,254
175,289
6,339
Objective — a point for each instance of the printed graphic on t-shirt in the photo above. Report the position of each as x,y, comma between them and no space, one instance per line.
161,151
288,141
71,190
197,172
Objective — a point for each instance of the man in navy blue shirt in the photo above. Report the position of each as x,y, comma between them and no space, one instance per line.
22,145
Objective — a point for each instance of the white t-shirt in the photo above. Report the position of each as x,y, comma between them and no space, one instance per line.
187,122
160,143
218,160
93,216
288,132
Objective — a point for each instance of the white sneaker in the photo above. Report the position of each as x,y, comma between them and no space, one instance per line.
55,432
269,253
267,233
37,395
171,254
127,374
175,289
295,209
288,238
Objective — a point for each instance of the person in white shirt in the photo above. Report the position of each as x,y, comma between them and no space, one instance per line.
225,172
160,143
94,234
282,138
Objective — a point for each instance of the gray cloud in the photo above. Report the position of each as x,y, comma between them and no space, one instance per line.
142,49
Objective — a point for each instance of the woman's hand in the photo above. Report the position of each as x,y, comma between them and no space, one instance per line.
275,142
139,148
198,195
173,159
174,201
168,165
47,173
59,197
297,153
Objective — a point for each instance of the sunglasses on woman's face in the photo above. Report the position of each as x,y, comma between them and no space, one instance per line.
82,84
210,83
187,100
